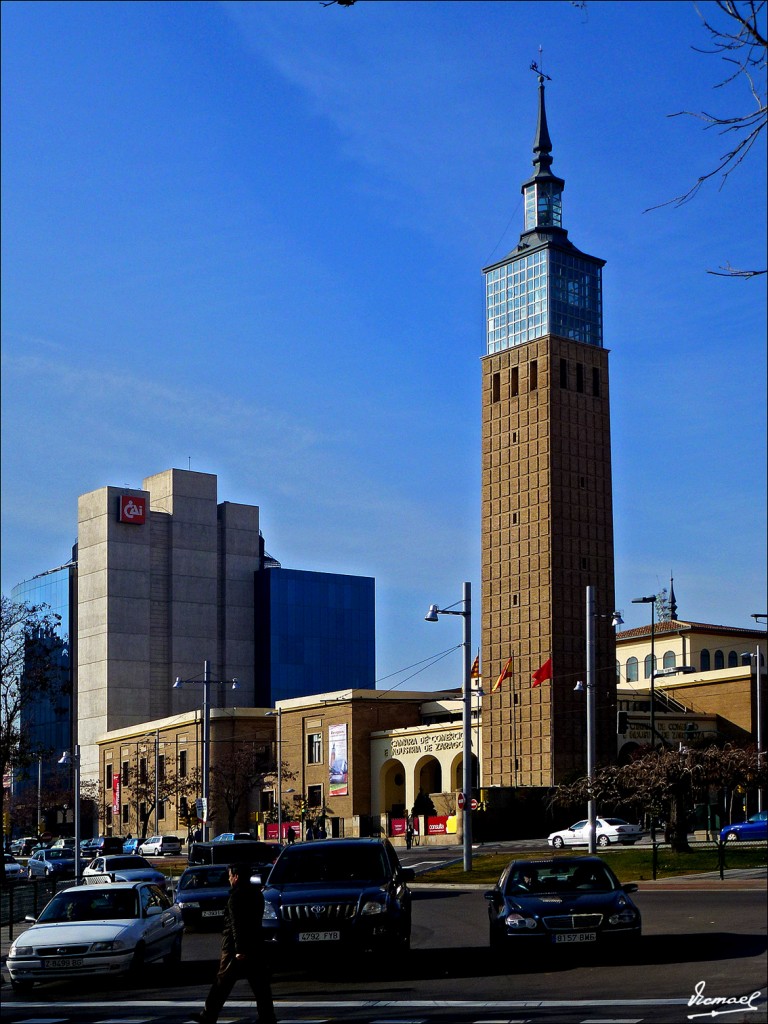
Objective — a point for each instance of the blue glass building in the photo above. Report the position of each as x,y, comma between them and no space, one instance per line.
315,632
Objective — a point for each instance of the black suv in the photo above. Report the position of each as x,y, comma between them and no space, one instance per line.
339,892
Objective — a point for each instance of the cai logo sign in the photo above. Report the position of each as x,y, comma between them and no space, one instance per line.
132,509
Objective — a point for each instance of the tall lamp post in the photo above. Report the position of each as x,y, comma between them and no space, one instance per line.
616,620
278,713
207,683
759,708
651,600
466,613
73,759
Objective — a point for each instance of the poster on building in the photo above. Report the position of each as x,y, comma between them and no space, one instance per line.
338,767
116,797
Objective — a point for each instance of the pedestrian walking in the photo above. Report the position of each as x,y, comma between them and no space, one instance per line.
408,832
242,949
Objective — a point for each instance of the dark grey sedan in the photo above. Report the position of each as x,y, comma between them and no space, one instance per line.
54,863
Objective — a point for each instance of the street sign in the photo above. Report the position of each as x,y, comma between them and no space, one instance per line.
473,805
460,800
201,806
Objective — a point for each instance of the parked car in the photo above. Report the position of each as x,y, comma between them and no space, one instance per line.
261,856
131,846
63,842
202,894
754,828
343,893
228,837
557,903
125,868
104,845
58,863
88,847
13,871
160,846
23,847
607,831
93,930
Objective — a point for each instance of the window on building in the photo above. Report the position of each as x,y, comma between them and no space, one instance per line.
108,776
533,379
161,810
670,659
579,377
733,659
563,373
496,387
618,670
631,670
705,661
649,666
161,767
142,811
182,764
142,769
514,381
314,796
124,773
315,748
108,816
126,813
719,660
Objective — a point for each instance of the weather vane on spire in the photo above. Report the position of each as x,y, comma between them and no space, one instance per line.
539,68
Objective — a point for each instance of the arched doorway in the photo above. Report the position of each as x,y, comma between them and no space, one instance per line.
428,776
392,788
457,772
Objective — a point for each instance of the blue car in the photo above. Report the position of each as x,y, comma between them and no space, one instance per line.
754,829
202,895
131,846
58,863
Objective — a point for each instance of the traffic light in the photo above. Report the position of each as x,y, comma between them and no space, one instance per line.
622,722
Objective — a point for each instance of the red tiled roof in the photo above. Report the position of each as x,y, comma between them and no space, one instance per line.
677,626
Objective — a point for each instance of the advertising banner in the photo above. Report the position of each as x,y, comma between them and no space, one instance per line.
437,826
338,767
397,826
116,797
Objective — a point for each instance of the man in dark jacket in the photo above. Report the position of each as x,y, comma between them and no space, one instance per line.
242,949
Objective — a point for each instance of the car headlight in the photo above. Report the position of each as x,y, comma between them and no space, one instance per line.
17,950
270,912
627,915
372,907
519,921
107,947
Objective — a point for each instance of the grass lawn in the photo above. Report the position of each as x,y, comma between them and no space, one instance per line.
632,864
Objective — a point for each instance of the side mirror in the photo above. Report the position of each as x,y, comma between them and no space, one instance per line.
629,887
154,911
407,874
491,895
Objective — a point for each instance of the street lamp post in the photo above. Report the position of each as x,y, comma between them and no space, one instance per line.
278,712
73,759
759,709
207,683
616,620
651,600
466,614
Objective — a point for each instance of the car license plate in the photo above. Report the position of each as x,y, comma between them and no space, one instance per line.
62,963
213,913
319,936
577,937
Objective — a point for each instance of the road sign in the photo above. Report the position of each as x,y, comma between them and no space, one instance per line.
473,805
201,806
461,800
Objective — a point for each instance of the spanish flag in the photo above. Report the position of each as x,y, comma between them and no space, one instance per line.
545,672
506,674
474,672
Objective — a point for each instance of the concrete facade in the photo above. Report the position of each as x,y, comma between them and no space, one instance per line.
159,597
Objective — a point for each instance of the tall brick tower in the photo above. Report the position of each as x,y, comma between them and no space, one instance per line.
547,524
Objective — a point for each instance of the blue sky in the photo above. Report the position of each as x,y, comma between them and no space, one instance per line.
248,237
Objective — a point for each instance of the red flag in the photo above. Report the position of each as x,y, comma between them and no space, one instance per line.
545,672
475,670
506,674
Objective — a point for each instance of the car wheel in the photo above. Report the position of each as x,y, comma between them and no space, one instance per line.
173,959
603,841
558,842
21,988
137,964
732,837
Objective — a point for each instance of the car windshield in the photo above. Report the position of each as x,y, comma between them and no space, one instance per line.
560,877
614,821
217,879
127,863
93,905
318,863
60,854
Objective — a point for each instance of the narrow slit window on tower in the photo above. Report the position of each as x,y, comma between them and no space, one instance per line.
534,375
596,381
579,377
514,600
514,382
563,373
496,387
514,518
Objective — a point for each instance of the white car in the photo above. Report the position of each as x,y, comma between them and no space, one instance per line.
607,831
159,846
12,868
97,930
124,868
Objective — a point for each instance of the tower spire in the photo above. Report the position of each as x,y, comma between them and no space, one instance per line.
544,190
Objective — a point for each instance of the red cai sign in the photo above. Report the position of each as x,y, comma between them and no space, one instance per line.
132,509
437,826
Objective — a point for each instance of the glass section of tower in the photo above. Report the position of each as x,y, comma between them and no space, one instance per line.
545,292
543,205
